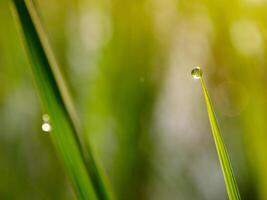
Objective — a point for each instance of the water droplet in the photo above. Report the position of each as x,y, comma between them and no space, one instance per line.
196,73
46,127
46,117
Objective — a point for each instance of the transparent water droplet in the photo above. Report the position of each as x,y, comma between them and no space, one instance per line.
196,73
45,117
46,127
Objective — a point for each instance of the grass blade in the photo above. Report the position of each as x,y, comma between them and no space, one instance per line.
84,173
230,182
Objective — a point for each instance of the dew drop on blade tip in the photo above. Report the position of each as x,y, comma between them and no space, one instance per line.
196,73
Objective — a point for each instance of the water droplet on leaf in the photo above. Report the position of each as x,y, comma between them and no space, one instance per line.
46,127
46,117
196,73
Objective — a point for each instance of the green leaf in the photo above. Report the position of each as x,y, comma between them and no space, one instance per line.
85,174
230,182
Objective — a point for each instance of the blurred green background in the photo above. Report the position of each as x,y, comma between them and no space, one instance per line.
127,64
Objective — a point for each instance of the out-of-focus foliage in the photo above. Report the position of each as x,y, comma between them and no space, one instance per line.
128,64
60,118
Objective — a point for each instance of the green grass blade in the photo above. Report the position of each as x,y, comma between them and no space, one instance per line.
84,173
230,182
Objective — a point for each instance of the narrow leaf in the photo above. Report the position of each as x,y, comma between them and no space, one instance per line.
84,173
230,182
